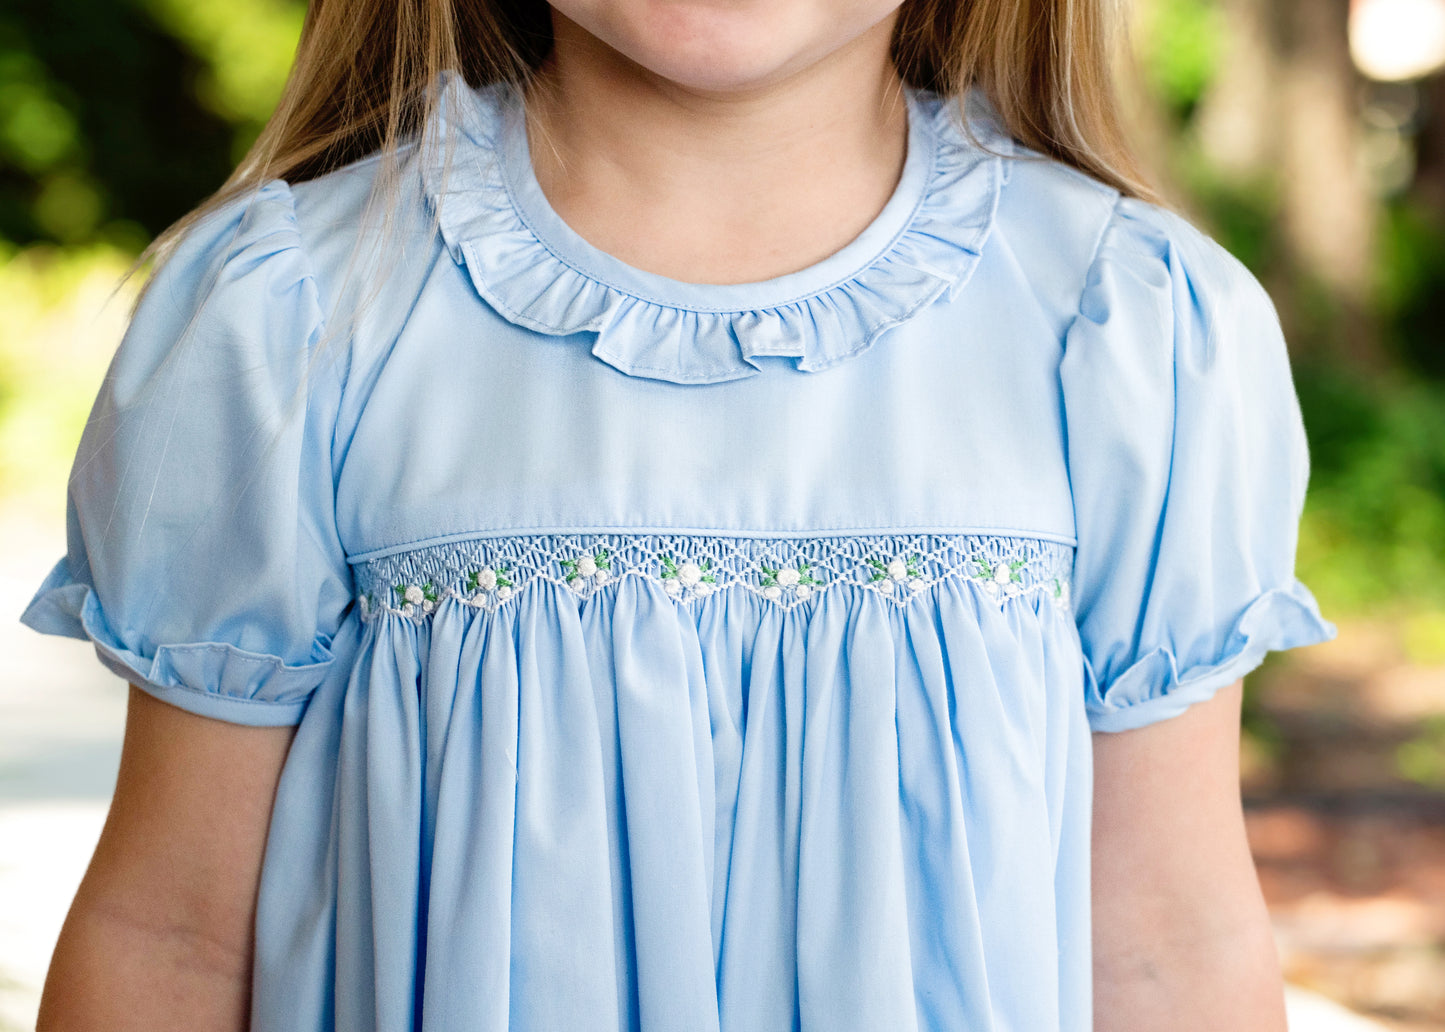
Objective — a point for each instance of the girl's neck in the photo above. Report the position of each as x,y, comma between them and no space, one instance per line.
717,186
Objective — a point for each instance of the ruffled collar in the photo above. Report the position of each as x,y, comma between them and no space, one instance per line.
537,272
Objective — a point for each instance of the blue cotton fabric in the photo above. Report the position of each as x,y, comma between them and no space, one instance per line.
678,656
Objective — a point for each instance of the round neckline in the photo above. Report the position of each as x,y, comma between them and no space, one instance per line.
853,258
536,273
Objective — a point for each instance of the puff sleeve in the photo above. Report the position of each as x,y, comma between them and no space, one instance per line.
1187,463
203,559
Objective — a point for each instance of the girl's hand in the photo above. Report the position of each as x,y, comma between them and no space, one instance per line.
160,934
1182,939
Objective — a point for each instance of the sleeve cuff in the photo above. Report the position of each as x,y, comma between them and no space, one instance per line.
1154,688
211,679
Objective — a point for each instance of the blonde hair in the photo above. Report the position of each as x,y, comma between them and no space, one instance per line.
359,85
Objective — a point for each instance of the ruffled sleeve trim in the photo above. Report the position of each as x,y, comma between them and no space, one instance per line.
1155,688
537,273
213,679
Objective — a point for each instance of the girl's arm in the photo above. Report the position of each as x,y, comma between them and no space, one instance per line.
160,934
1182,939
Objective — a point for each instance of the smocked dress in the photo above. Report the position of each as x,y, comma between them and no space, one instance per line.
687,657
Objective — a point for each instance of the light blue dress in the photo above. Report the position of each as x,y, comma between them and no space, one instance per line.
688,657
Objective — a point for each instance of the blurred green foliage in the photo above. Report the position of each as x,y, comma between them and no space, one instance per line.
1182,44
50,364
1373,540
246,49
1411,293
117,116
1376,514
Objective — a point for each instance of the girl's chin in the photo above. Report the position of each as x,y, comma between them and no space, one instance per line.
724,48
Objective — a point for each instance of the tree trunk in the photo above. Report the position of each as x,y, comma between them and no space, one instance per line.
1284,105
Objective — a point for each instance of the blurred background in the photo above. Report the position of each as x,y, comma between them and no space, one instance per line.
1308,136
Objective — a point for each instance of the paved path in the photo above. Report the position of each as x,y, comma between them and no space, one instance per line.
61,716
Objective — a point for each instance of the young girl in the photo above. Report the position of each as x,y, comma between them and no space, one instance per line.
663,573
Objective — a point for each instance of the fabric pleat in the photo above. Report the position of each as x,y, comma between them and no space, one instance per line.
757,962
562,943
663,772
943,910
851,900
472,773
380,838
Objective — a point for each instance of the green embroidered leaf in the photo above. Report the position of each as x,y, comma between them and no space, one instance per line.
669,566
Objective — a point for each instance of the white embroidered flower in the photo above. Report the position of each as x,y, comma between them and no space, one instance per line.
427,606
1001,573
898,569
804,590
409,609
1013,589
703,588
601,576
576,583
773,592
885,586
414,594
689,573
787,576
586,566
486,578
915,583
479,598
671,586
1064,592
991,587
504,592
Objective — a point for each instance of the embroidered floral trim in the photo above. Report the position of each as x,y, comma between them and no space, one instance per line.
679,578
777,579
485,573
488,585
597,568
